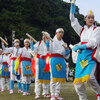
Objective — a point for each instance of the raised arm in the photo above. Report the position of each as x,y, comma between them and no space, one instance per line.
10,49
74,21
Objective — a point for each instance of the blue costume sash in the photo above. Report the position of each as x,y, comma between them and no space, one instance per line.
5,71
43,76
58,69
84,66
26,68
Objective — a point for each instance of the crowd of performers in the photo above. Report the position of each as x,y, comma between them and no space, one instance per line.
48,64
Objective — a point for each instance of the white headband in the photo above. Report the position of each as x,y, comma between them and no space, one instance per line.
16,40
60,29
26,40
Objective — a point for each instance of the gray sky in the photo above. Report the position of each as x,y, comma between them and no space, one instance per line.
86,5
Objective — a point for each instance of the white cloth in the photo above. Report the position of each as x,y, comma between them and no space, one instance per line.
40,48
4,58
57,48
55,88
92,83
25,53
13,50
3,81
39,85
67,70
88,35
14,53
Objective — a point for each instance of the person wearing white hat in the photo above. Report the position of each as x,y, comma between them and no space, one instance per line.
5,74
86,63
14,54
0,67
57,63
26,67
42,77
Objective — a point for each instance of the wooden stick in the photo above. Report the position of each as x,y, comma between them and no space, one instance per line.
3,40
31,37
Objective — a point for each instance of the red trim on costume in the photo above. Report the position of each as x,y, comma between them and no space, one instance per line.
94,28
90,49
25,59
56,55
40,42
40,57
93,55
83,43
83,30
13,58
47,66
4,63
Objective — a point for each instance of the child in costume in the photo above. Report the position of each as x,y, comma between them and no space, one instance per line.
14,54
5,74
57,63
86,63
42,77
26,67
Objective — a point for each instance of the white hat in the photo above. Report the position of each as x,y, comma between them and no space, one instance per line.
26,40
89,13
60,29
46,33
16,40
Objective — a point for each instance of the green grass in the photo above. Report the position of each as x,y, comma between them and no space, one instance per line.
67,92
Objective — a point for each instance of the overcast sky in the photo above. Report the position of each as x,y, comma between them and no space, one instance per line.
86,5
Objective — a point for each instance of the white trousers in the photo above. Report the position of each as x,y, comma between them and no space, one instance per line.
13,77
26,79
55,88
39,85
3,81
92,83
38,88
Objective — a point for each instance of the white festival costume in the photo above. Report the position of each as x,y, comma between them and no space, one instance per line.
40,49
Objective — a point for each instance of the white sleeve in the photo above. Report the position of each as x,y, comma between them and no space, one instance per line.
95,39
75,24
10,49
36,46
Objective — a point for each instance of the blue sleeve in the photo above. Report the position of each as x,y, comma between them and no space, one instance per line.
73,9
48,44
67,52
31,45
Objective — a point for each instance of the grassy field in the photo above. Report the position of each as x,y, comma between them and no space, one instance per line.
67,92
